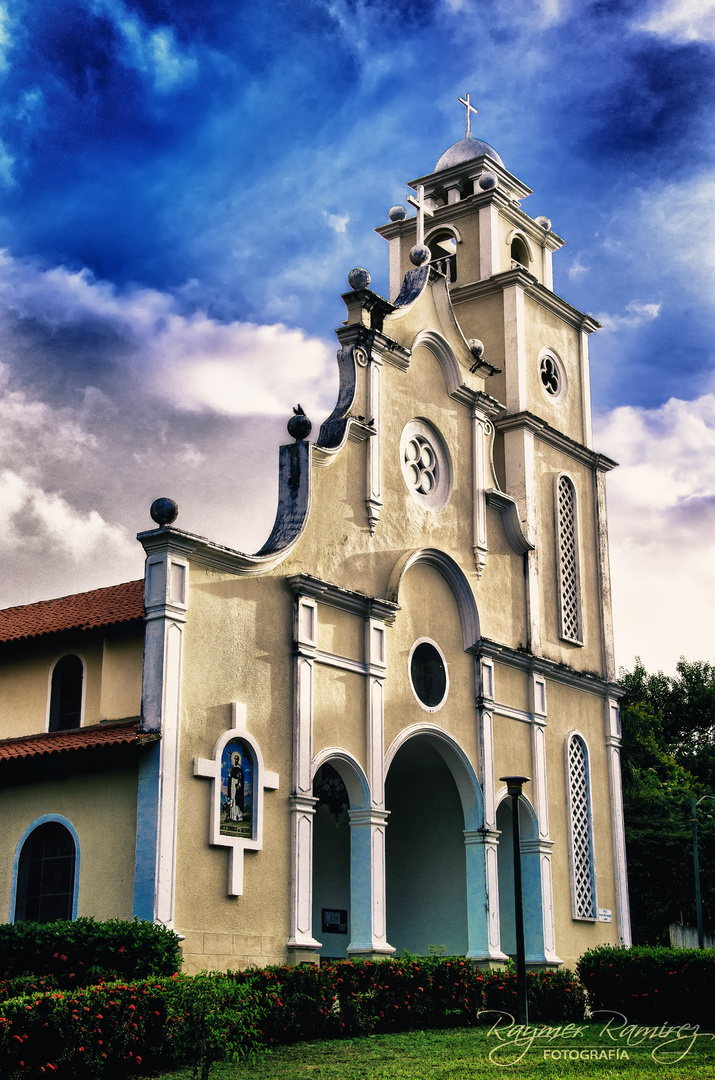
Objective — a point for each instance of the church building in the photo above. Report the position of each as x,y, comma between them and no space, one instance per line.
300,753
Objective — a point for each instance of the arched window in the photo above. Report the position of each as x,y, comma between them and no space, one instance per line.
46,875
66,694
583,878
571,618
443,247
520,252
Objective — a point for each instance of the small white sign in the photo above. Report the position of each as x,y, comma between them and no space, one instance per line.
605,915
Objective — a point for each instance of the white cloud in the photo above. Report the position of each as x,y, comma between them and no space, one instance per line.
193,361
682,20
153,52
661,521
635,315
337,222
577,269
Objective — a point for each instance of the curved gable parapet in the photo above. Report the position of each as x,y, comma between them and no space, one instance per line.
455,578
294,495
412,286
333,430
293,498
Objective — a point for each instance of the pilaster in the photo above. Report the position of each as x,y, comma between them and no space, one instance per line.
613,749
367,883
166,583
488,241
302,801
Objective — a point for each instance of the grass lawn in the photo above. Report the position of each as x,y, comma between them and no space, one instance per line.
465,1052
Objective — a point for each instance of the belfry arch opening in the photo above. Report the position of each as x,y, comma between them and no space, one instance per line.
425,853
443,247
520,251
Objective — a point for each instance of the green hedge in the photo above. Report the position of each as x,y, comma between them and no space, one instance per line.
120,1028
651,984
64,955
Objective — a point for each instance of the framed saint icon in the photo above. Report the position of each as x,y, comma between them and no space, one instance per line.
236,790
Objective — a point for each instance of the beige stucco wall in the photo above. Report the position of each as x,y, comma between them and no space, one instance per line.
112,683
103,810
237,647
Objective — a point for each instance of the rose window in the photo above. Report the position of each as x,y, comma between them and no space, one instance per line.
425,465
550,376
421,465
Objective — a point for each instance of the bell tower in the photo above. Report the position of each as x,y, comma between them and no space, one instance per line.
497,259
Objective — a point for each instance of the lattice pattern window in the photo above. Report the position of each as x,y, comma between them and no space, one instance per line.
569,577
584,881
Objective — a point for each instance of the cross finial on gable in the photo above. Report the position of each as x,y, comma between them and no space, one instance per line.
469,109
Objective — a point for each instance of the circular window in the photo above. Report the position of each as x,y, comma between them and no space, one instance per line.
551,374
425,465
428,675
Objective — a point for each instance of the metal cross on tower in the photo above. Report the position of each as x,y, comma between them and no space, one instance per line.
469,109
422,209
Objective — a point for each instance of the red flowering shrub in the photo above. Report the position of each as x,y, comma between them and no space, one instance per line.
651,984
553,994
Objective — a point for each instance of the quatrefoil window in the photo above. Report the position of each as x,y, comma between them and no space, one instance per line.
421,465
552,376
425,465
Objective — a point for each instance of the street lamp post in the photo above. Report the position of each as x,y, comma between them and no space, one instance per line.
514,784
696,868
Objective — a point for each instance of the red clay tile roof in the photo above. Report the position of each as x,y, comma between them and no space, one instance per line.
82,611
59,742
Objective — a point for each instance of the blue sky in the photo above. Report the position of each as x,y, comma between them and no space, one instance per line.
185,186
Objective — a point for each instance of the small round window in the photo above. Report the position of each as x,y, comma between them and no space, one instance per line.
551,376
425,465
428,675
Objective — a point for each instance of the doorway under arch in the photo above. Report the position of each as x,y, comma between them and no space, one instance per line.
425,853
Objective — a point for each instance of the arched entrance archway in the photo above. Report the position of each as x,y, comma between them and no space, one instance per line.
435,875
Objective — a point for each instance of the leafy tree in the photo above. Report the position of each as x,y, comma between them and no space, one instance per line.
668,755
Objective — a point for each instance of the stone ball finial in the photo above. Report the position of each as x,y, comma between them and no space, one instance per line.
543,221
359,278
397,213
476,348
164,511
299,426
488,181
420,254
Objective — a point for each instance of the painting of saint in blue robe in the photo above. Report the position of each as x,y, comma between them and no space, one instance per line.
236,790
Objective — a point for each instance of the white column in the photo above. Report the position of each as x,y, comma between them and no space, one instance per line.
515,349
302,802
587,435
604,577
620,873
481,428
488,240
367,882
395,265
166,602
374,462
481,844
367,826
542,847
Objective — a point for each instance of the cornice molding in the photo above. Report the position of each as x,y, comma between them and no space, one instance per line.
550,435
344,599
561,673
461,294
